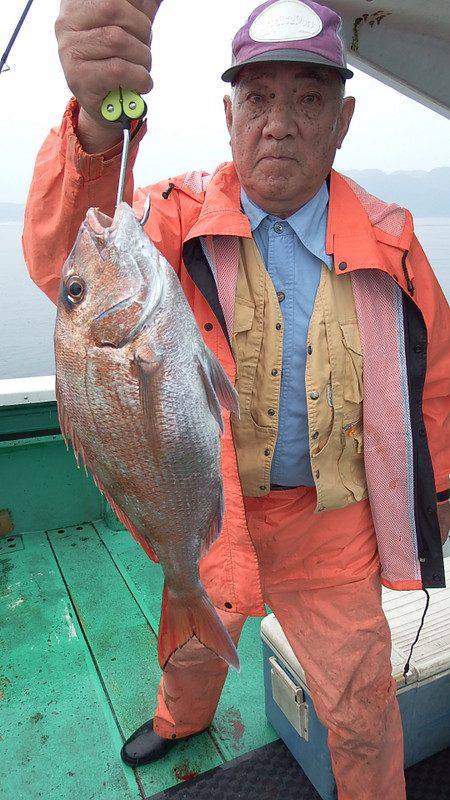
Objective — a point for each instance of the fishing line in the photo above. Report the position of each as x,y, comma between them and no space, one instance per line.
14,37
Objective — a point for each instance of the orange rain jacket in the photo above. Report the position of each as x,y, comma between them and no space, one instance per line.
196,221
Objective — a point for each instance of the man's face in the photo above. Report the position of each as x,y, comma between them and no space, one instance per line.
286,121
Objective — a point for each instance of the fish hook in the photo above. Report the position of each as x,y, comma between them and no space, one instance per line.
146,213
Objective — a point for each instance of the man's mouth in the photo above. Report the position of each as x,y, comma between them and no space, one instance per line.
277,158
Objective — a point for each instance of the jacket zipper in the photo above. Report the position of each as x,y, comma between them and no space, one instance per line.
409,282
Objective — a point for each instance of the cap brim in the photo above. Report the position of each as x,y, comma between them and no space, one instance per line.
286,55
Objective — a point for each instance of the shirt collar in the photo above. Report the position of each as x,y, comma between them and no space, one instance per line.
309,222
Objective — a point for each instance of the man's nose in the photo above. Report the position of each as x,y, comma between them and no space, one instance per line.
280,122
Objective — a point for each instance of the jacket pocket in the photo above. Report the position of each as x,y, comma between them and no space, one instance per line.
353,374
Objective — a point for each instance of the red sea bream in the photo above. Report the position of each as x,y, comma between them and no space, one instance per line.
139,395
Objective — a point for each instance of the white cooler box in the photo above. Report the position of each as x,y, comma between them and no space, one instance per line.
424,700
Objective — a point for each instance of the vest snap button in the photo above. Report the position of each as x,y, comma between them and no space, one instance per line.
267,452
278,326
228,605
208,326
314,395
317,473
271,412
315,434
281,296
263,488
309,349
343,265
274,372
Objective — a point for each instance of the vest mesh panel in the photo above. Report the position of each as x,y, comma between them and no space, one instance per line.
387,432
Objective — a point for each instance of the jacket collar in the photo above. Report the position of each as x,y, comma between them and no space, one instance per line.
351,238
220,213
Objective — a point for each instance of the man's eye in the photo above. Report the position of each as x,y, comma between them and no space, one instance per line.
311,99
256,99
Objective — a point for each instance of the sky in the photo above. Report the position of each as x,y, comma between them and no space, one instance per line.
191,48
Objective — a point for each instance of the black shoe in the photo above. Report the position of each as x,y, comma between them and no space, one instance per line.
145,746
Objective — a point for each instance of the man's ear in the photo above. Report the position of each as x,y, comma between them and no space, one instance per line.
347,111
228,106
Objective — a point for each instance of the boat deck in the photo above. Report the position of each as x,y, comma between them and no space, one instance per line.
79,608
79,611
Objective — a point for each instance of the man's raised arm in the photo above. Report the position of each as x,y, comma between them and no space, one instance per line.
102,44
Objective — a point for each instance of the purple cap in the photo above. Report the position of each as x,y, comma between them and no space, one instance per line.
290,30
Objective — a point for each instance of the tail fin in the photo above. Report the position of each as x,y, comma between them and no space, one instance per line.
180,622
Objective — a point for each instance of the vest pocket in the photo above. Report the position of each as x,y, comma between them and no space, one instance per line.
245,346
353,374
351,461
243,315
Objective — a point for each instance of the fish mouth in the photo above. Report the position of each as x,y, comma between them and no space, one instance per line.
101,224
97,222
104,231
101,228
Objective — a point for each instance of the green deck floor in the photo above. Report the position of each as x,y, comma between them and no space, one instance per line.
79,609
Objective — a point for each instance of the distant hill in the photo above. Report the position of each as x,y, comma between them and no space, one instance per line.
11,212
425,194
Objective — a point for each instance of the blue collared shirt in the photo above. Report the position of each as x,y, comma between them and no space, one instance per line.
293,250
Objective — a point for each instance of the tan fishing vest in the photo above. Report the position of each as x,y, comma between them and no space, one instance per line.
334,388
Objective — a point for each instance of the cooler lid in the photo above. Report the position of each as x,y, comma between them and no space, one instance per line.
404,610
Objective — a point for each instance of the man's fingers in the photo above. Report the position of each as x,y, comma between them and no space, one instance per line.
117,13
100,43
104,44
148,7
110,74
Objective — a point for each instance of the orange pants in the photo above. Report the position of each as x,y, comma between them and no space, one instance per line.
320,575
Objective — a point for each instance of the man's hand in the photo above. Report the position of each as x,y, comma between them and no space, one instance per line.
104,44
443,511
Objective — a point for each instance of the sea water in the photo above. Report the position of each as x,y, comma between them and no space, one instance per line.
27,316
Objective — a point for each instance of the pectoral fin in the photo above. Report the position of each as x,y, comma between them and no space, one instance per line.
211,396
218,387
149,365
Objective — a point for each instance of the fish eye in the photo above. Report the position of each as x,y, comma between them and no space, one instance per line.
75,289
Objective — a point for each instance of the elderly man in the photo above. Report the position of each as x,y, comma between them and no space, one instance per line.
299,280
